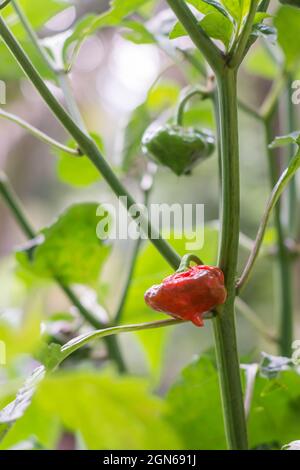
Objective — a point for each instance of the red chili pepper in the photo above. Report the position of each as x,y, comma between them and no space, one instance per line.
188,295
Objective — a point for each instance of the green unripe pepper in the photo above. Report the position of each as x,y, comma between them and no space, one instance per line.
179,148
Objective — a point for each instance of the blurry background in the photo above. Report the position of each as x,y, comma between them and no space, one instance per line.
111,78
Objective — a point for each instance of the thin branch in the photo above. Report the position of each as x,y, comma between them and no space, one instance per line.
77,343
39,134
283,181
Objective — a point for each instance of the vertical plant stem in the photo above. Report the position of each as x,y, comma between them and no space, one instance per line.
284,285
224,322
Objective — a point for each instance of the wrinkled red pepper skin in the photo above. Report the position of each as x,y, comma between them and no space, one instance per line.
188,295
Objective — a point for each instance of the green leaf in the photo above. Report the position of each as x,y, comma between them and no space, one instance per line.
78,171
195,409
287,22
92,22
218,27
109,412
70,249
215,24
235,8
282,141
275,416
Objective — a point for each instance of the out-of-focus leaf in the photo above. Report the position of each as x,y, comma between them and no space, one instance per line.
78,171
9,69
287,22
110,412
275,411
267,32
91,23
195,409
70,249
138,33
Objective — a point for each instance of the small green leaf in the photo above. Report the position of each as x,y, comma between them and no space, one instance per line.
235,8
78,171
218,27
69,248
282,141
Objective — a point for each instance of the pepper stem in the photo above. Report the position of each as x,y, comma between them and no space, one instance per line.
188,94
186,261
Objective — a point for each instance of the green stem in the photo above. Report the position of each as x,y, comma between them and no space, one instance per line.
38,134
224,323
76,343
203,93
14,205
85,142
